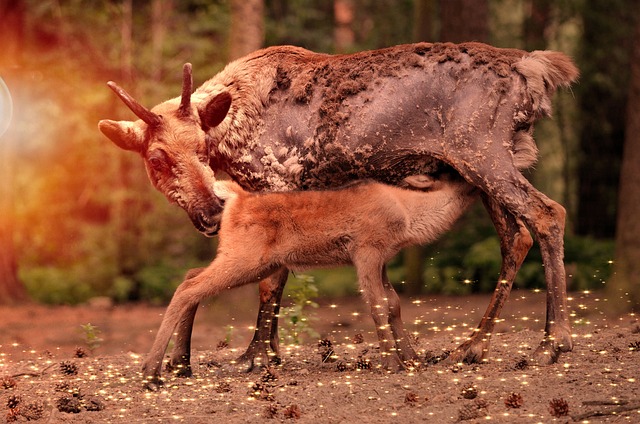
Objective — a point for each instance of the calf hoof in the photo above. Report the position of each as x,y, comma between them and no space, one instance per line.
179,369
153,384
469,352
550,349
392,363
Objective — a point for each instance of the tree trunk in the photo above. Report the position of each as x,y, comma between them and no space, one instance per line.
602,97
343,35
625,282
536,24
160,13
247,27
423,28
464,20
11,32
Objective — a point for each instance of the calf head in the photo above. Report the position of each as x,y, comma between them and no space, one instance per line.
172,139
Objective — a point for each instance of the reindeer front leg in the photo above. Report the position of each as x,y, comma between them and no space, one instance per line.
515,242
266,332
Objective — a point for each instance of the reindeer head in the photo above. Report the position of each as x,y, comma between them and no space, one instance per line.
174,144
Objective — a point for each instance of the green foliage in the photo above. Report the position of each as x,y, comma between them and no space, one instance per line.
89,223
296,317
53,285
91,334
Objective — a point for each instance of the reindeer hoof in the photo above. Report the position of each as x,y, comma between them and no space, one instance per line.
153,384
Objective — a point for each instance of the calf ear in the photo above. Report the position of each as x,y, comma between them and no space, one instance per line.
215,110
125,134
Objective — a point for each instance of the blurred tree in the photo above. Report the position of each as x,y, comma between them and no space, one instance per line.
12,34
602,96
464,20
423,24
161,12
343,35
247,27
625,282
537,23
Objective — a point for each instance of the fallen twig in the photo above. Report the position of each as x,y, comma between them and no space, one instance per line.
613,411
32,374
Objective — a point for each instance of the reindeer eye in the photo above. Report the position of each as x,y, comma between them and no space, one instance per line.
156,164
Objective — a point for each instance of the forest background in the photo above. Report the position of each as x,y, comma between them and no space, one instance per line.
79,218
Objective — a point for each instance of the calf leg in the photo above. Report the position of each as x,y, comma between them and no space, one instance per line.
180,359
222,274
402,344
266,332
370,278
515,242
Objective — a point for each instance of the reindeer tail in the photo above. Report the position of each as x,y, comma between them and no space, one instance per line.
544,71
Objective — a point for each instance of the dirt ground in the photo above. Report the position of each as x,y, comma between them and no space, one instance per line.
42,379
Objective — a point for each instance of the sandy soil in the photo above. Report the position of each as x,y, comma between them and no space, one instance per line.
41,377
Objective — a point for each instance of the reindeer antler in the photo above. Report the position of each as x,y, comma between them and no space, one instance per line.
187,87
140,111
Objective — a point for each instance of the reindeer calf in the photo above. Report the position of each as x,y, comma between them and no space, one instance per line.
364,224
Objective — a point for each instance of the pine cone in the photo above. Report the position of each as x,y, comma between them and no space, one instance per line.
514,400
68,368
558,407
469,391
7,382
293,412
13,401
33,411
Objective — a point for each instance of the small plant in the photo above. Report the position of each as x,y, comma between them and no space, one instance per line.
91,336
302,289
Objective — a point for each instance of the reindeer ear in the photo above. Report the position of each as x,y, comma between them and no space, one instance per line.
215,110
125,134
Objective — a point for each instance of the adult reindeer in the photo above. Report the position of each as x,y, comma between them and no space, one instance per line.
285,118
